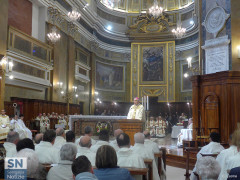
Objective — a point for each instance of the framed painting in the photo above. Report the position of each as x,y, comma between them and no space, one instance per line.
109,77
152,64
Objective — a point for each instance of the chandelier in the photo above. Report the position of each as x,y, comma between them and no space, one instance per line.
155,10
179,32
53,36
74,15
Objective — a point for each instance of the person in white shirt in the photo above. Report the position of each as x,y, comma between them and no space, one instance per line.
84,149
21,128
103,140
126,156
208,168
60,138
190,123
47,154
114,142
213,147
32,162
146,153
150,144
225,154
88,131
63,171
136,111
10,144
38,138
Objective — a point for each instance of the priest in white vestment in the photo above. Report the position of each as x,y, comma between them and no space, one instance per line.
88,131
60,138
114,142
10,144
225,154
84,149
20,127
136,111
213,147
4,125
63,171
47,154
103,140
146,153
150,144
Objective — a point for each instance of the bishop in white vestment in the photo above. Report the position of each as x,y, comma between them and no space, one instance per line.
136,111
21,128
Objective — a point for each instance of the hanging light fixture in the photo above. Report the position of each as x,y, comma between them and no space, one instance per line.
156,10
189,60
74,15
179,32
53,36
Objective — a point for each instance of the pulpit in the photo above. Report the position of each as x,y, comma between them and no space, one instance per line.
216,104
130,127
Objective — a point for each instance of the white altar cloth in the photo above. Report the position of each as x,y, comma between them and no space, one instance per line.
186,134
176,131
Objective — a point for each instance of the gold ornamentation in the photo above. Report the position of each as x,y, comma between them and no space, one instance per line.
153,92
148,24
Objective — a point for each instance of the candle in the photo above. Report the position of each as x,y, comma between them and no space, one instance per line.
147,103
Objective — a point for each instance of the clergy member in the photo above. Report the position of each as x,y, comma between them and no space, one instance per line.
20,127
88,131
146,153
84,149
103,140
213,147
60,138
114,142
224,155
10,144
4,125
136,111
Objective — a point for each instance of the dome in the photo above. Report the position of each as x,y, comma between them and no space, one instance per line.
139,6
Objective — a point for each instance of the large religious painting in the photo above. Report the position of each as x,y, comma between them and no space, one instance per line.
153,70
152,65
109,77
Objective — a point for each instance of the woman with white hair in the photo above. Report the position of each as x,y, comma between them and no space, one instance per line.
63,171
208,168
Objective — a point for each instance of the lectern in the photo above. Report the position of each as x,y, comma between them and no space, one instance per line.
130,127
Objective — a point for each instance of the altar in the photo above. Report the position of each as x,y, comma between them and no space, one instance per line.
77,123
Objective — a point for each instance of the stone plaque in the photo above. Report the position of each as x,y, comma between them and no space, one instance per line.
217,54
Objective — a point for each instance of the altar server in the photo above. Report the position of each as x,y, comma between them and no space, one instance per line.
225,154
84,149
103,140
136,111
146,153
60,138
4,124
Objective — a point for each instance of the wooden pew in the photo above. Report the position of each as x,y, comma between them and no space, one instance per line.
149,162
159,162
133,171
164,151
189,150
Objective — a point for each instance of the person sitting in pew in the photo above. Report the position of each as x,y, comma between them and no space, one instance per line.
82,169
103,140
114,143
106,163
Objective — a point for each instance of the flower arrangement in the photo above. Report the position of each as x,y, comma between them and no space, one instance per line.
102,126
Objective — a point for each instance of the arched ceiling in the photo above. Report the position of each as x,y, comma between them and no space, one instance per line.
139,6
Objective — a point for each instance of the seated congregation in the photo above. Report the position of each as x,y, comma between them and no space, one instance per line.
56,155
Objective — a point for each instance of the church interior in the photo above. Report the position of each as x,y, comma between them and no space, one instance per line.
156,78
